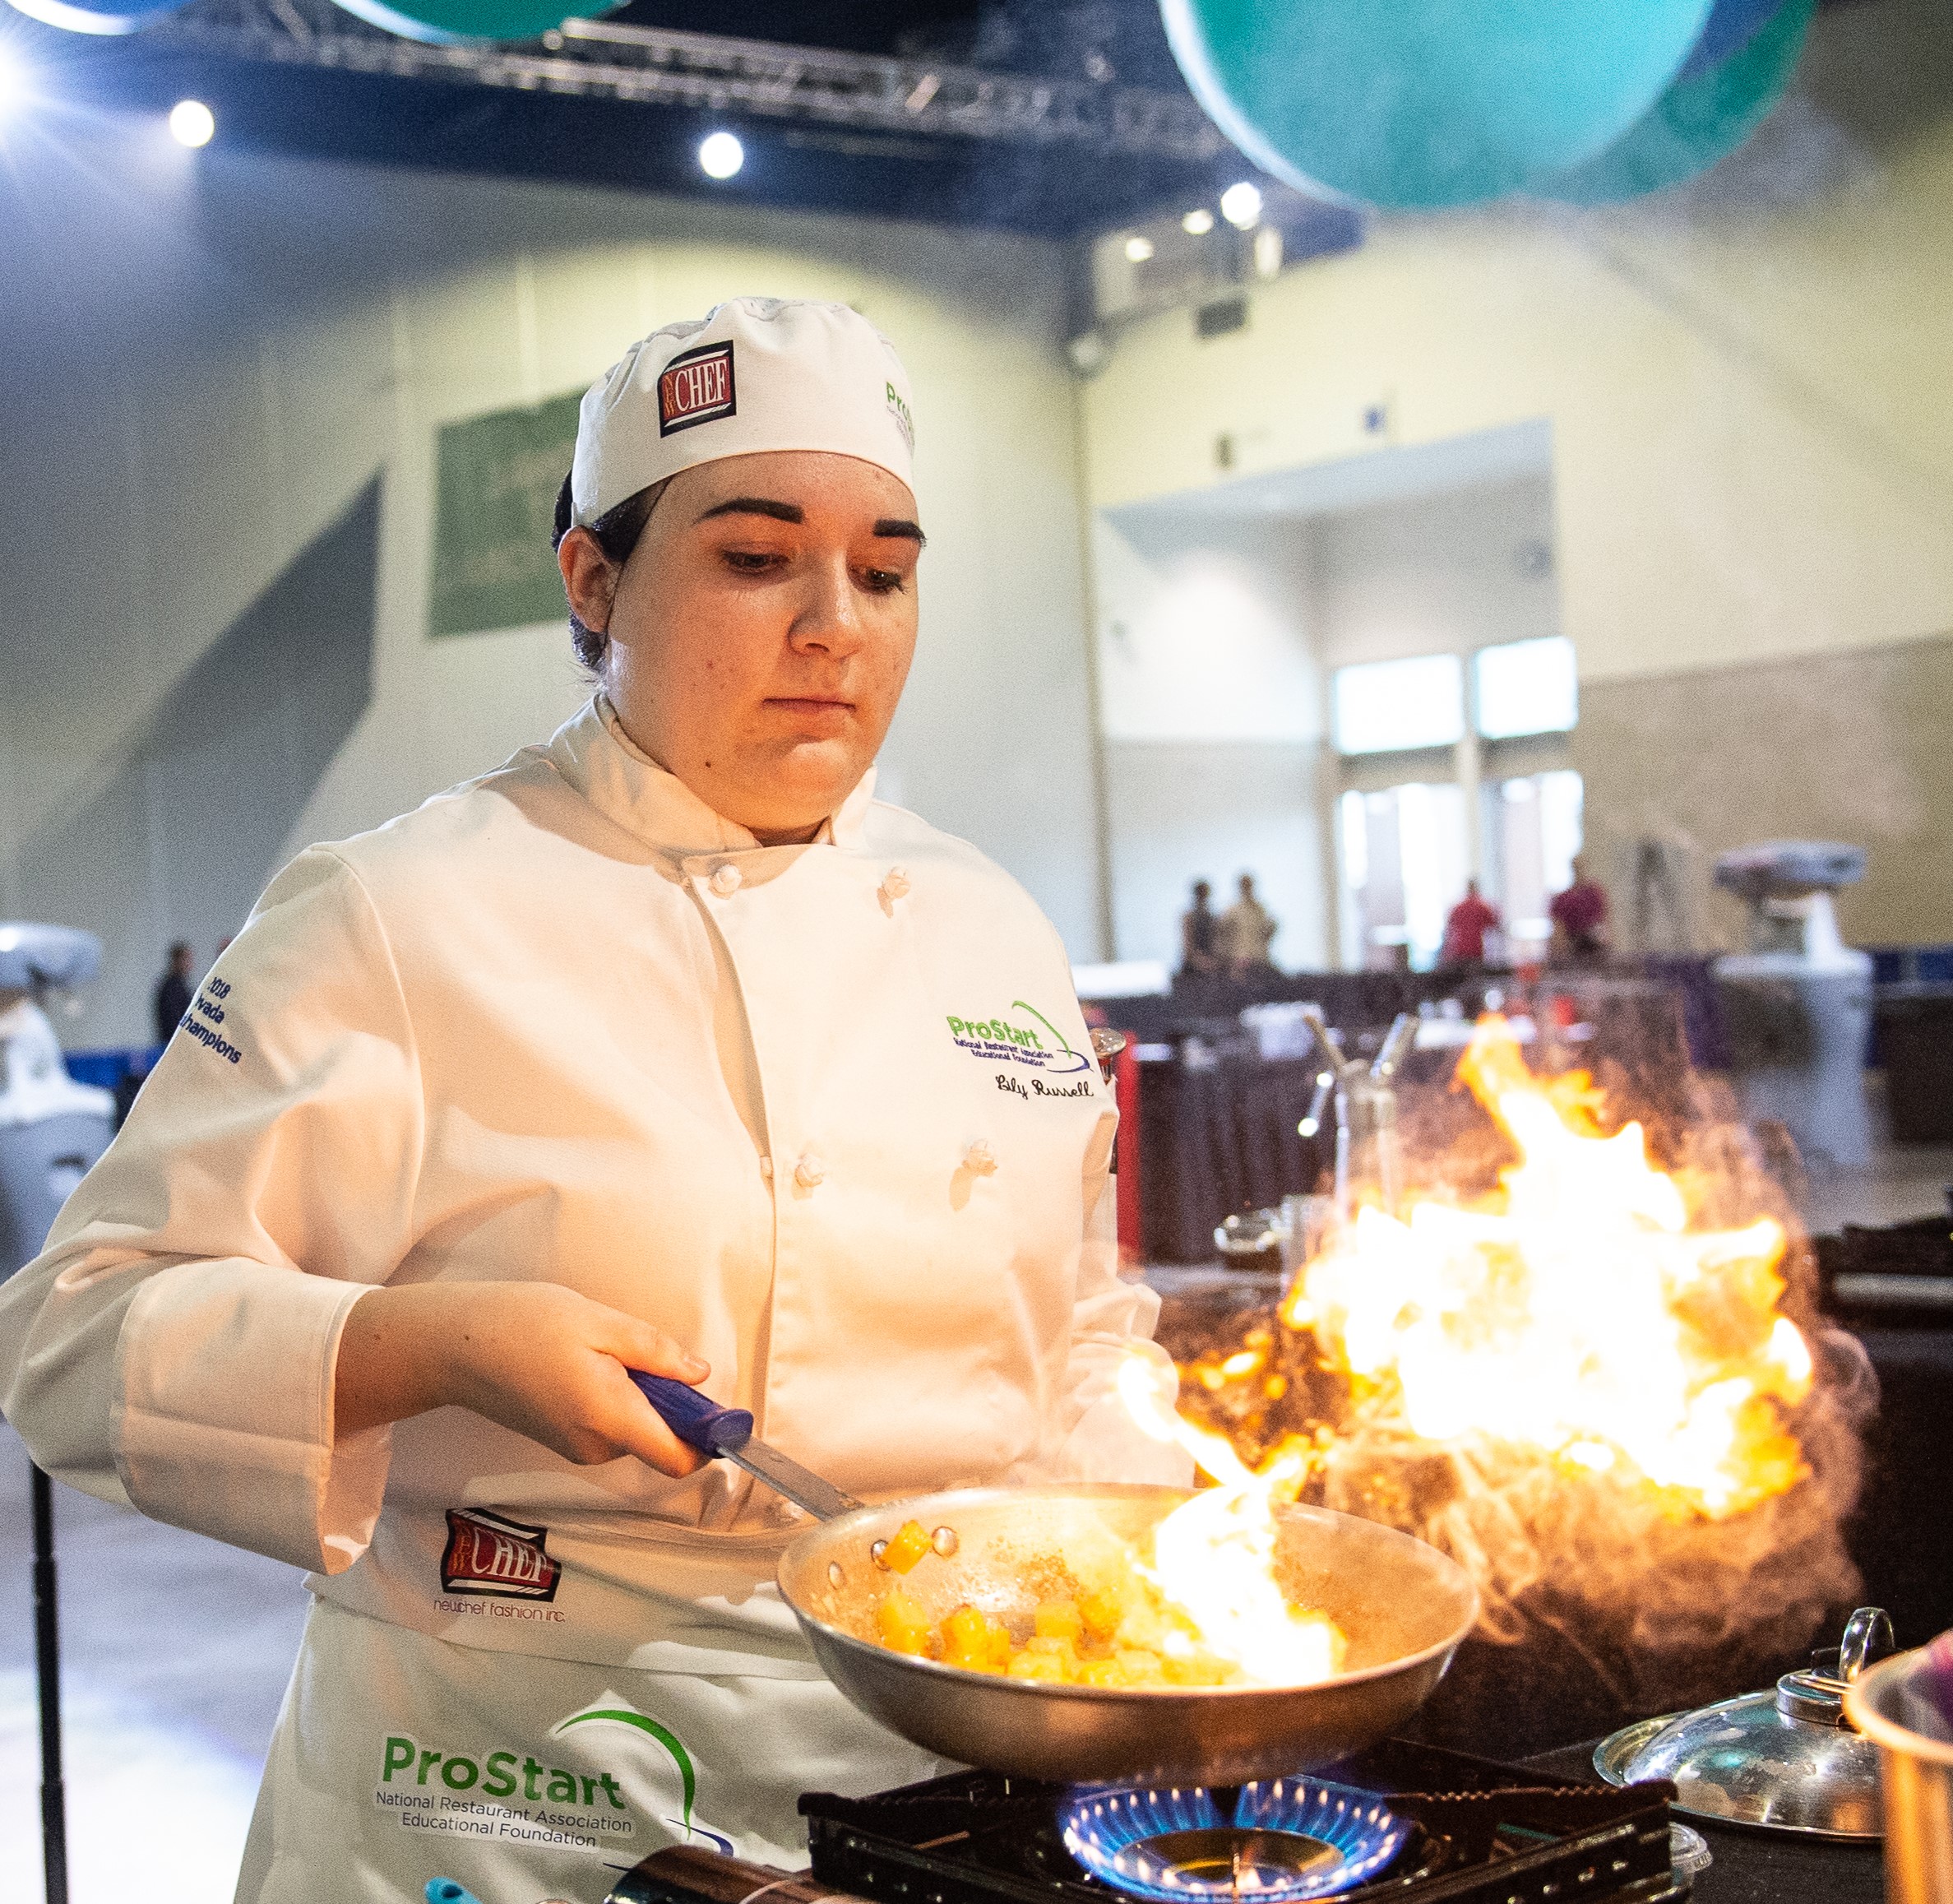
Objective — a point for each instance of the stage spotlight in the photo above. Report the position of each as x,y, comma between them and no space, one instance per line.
191,122
1138,250
1198,222
720,156
1240,205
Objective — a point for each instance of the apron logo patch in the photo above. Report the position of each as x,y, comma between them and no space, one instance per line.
518,1798
492,1555
508,1795
696,387
1025,1036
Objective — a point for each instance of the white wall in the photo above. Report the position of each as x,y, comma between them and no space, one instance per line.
1752,429
1435,574
1211,703
212,356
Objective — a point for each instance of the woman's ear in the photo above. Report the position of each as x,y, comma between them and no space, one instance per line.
590,577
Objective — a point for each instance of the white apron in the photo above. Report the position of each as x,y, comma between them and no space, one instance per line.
399,1760
826,1114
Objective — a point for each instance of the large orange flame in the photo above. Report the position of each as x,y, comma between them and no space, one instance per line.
1574,1314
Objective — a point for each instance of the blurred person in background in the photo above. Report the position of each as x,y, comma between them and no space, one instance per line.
1579,917
171,998
1466,928
1200,934
1247,930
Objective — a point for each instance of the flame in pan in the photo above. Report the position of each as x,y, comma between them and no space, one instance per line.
1214,1557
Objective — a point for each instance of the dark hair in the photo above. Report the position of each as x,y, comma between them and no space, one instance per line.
617,531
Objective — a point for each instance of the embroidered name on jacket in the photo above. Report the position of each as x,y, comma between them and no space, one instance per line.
696,387
1024,1035
489,1554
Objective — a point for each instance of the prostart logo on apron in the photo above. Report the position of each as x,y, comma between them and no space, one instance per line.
515,1797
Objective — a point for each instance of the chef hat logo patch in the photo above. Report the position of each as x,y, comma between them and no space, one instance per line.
696,387
503,1560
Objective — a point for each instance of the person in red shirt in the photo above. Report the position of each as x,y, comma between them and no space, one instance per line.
1466,928
1579,917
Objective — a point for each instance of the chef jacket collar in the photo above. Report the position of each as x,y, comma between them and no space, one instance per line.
610,769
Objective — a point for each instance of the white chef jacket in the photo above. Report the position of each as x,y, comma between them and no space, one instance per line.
825,1113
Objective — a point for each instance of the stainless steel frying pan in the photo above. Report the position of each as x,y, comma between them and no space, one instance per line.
1403,1605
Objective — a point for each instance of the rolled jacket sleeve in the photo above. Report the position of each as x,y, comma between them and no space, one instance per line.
174,1345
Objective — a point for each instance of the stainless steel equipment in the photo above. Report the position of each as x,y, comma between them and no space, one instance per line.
1798,1002
1789,1759
1404,1606
1368,1161
52,1129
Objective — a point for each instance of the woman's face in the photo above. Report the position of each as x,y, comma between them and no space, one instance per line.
762,630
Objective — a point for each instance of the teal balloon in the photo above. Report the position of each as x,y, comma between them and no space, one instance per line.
1419,103
1697,121
444,21
1732,26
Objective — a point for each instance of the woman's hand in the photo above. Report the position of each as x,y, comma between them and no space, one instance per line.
535,1357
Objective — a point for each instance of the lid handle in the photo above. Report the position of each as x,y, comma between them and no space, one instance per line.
1868,1639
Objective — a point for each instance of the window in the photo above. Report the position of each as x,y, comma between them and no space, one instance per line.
1388,707
1532,831
1526,688
1405,856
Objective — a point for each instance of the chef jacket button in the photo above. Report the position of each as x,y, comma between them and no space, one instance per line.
810,1173
895,884
980,1158
726,881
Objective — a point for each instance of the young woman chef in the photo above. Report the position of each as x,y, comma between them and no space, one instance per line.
663,1046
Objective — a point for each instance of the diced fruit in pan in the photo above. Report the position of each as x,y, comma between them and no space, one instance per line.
909,1543
904,1623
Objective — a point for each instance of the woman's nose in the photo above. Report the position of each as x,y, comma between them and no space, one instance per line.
829,615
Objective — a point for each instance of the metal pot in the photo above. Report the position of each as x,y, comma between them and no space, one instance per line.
1915,1749
1404,1606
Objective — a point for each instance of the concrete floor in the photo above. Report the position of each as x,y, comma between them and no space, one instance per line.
175,1654
176,1651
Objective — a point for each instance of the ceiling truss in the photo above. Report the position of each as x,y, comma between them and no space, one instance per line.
703,72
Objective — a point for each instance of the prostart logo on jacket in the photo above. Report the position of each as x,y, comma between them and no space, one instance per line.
1031,1038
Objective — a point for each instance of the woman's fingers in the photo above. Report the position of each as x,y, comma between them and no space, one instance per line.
637,1345
637,1429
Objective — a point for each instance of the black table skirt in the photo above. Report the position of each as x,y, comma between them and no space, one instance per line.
1218,1138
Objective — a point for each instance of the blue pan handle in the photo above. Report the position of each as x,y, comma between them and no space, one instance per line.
697,1420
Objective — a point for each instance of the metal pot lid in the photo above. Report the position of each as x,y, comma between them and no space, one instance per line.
1786,1759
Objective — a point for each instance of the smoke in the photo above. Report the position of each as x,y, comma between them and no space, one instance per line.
1662,1604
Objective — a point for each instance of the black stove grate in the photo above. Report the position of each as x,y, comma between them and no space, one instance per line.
1488,1834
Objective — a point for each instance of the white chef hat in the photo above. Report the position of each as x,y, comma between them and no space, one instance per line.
753,374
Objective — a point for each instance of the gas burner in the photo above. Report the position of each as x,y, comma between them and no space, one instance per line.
1470,1833
1279,1840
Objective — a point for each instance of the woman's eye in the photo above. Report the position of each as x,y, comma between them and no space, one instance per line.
882,581
749,561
